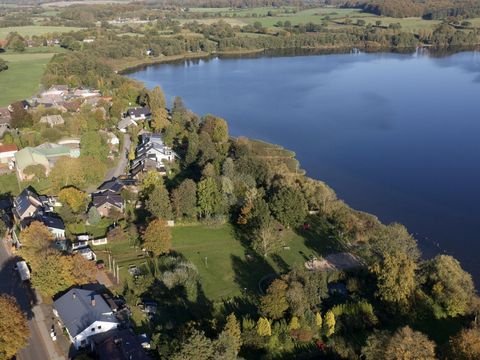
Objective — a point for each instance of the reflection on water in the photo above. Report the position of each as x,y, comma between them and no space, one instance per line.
393,134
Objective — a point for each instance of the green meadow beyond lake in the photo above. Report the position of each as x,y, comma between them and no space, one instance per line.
396,135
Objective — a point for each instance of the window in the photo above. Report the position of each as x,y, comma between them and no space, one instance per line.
93,329
83,342
99,327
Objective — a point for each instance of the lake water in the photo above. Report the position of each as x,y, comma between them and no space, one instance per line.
394,135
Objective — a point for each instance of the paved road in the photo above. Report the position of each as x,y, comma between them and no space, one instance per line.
122,161
40,345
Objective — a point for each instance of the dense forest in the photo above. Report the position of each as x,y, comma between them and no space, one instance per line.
432,9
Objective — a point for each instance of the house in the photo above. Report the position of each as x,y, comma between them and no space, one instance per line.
139,113
49,101
108,197
107,203
118,345
125,123
7,154
151,153
72,105
60,90
45,154
52,120
88,40
52,221
86,93
84,313
5,116
26,204
112,139
82,242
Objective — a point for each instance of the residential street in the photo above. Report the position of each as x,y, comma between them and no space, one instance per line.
40,344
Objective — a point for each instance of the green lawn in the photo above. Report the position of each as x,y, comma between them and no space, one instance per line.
96,231
22,78
227,268
35,30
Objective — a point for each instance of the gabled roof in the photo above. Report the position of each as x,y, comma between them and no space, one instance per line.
112,185
26,198
50,220
107,198
39,155
125,122
119,345
77,312
139,111
52,120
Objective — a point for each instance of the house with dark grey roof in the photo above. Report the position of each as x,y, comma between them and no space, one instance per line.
84,313
52,221
119,345
139,113
108,197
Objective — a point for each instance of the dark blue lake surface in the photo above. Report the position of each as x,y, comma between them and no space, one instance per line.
394,135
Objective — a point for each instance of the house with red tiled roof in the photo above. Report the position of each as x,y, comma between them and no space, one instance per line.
7,155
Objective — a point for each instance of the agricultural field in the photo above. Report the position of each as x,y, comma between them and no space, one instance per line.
35,30
22,78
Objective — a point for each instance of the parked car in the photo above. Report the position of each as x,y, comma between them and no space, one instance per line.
134,270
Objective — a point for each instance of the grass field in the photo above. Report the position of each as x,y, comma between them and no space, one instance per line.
35,30
22,78
333,16
227,268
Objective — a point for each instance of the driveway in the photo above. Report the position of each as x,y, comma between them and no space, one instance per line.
122,161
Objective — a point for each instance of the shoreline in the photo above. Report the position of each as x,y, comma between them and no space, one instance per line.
139,64
428,250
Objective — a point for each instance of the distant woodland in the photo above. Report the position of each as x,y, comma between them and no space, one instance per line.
430,9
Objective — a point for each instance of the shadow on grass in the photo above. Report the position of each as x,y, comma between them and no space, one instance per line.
320,237
177,306
282,265
250,271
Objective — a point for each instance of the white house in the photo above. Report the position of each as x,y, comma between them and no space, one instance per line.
7,155
139,113
84,313
51,220
55,90
152,153
112,139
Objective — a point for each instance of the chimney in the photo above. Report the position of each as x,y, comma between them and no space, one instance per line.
93,301
74,295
